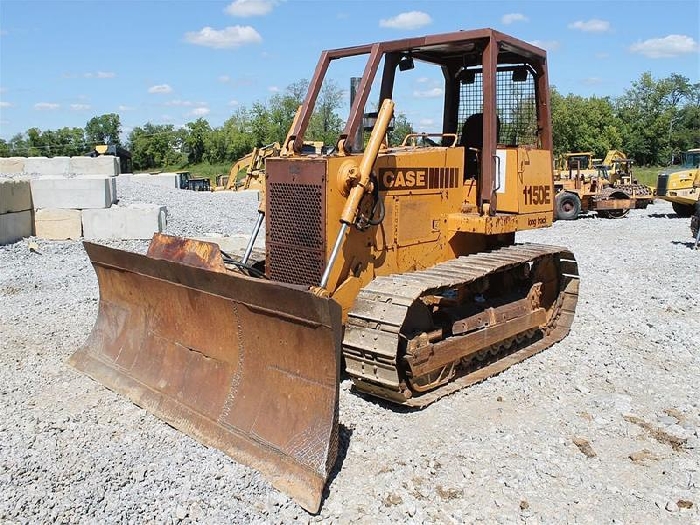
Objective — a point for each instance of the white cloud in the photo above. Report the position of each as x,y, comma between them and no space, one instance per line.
666,47
4,104
246,8
160,88
427,122
593,25
428,93
548,45
184,103
126,108
232,103
409,20
46,106
224,79
273,89
602,55
513,17
592,81
232,36
79,107
199,112
100,74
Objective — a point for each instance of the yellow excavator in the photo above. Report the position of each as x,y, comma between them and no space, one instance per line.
396,263
681,187
253,165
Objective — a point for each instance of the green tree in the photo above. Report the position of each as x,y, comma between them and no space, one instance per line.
325,124
18,145
652,112
584,124
402,127
104,129
195,139
155,146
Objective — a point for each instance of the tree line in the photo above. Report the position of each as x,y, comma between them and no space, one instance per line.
652,122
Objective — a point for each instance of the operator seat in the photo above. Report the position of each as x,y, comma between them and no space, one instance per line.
472,138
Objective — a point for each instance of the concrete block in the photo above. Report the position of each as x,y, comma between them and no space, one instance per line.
78,193
112,181
47,166
164,180
11,165
102,165
57,224
137,221
15,226
15,195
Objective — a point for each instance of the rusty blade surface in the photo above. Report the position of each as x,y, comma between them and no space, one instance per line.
248,366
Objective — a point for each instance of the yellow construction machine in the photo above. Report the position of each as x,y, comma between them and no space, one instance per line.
582,189
616,169
253,165
681,187
396,262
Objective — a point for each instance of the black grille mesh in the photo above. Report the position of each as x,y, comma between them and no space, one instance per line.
515,104
295,235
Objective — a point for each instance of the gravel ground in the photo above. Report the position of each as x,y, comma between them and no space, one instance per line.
623,385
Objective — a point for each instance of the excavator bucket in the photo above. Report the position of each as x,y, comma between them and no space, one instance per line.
245,365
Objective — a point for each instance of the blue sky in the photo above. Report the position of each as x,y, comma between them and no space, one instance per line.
63,62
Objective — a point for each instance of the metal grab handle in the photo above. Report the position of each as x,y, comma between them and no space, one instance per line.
497,178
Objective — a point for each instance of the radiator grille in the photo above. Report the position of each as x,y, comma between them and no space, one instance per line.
296,233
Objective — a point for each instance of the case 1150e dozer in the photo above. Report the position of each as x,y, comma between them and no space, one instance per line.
398,263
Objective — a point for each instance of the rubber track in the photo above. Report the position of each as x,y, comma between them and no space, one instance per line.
372,331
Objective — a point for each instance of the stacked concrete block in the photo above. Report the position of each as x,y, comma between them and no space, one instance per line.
76,193
15,210
58,224
12,165
165,180
54,166
137,221
103,165
111,181
67,198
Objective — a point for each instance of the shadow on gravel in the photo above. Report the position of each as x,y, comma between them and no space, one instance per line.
344,435
383,403
665,216
690,245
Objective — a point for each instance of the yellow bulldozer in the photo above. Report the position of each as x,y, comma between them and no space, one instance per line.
395,263
681,187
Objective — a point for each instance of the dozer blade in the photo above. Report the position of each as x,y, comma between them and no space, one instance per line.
245,365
